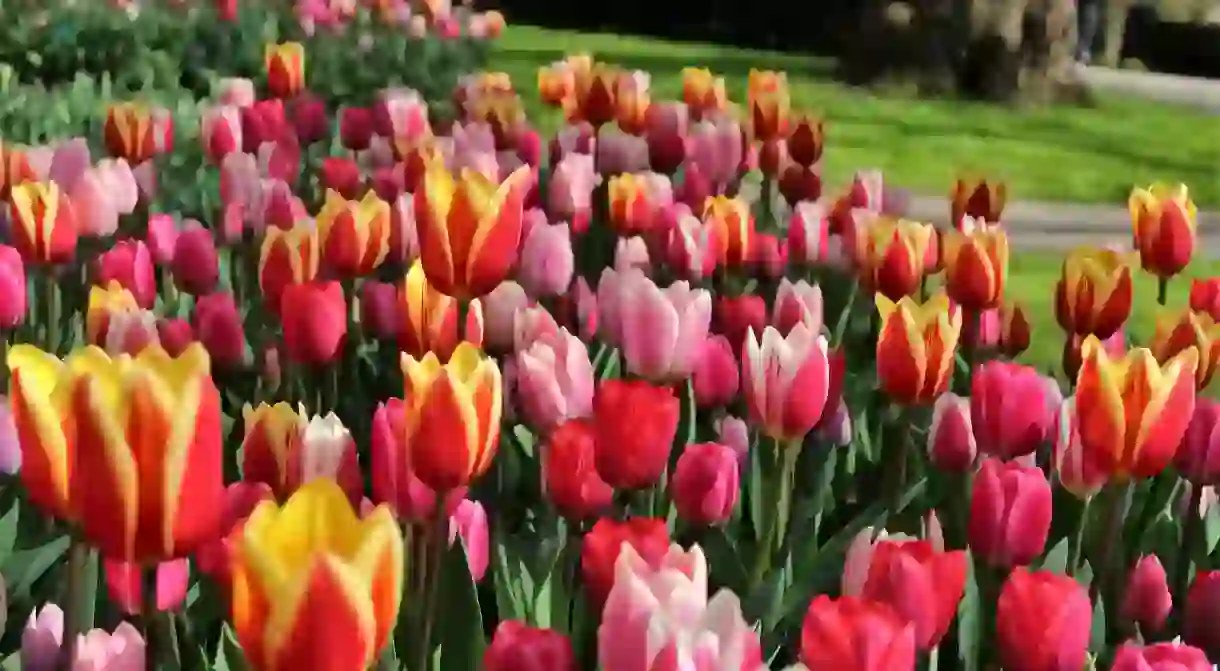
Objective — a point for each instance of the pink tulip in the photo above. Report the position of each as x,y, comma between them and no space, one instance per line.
469,521
547,261
122,182
130,264
10,443
394,481
240,181
95,651
715,377
220,132
236,91
786,381
705,483
809,233
693,249
195,265
951,445
619,153
130,331
401,113
570,192
162,236
659,330
97,214
12,288
218,326
715,145
380,314
124,583
175,335
70,160
1198,458
665,127
1073,468
1167,656
530,324
1012,408
500,309
835,427
799,303
662,618
577,138
631,253
734,432
1146,599
555,380
1010,513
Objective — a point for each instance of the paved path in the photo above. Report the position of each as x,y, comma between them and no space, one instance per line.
1175,89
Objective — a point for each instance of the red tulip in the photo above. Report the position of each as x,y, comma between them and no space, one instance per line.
1205,296
733,317
314,319
705,483
858,634
221,132
1201,615
1043,622
195,266
394,480
716,377
309,120
129,264
922,584
1010,513
1160,657
1164,219
218,325
342,175
124,582
520,647
571,481
175,335
356,128
1147,600
648,536
635,424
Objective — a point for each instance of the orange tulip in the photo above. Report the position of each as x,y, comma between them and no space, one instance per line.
979,199
770,104
315,586
596,94
287,257
732,225
130,132
1189,330
41,405
632,102
1164,220
503,111
1094,292
354,235
43,223
1015,329
469,228
285,68
1133,412
15,169
915,347
892,255
632,207
430,318
703,92
104,304
452,416
976,267
557,82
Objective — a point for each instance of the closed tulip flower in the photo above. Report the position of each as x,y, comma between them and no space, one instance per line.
786,382
1189,330
923,584
339,569
733,226
286,449
104,303
735,317
94,201
1201,615
570,192
547,261
1015,330
890,255
314,320
517,646
1010,513
692,251
659,330
570,479
217,324
287,257
354,236
1164,220
1074,468
220,132
854,633
355,128
716,379
1205,296
635,423
633,204
978,199
705,483
1043,622
703,92
1146,600
15,169
799,303
130,132
130,332
1094,293
380,316
915,347
129,264
124,585
1198,457
395,482
555,380
1012,408
501,308
44,226
285,69
976,267
175,335
430,318
195,267
38,413
1158,656
13,295
603,545
1134,412
951,444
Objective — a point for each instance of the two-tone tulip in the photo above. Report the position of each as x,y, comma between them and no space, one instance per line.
452,416
286,449
1133,412
285,68
703,92
314,584
104,304
557,82
430,318
891,255
595,94
1164,220
733,227
976,267
634,200
769,103
915,347
15,169
1093,296
130,132
805,140
786,381
220,132
631,102
1015,329
287,257
979,199
469,228
1189,330
354,235
41,413
43,223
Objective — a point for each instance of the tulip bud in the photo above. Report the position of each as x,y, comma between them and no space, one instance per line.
129,332
547,262
735,433
129,264
1012,408
1198,457
221,132
1147,600
633,455
162,237
341,175
175,335
951,445
195,265
923,584
218,325
855,633
1010,513
715,376
124,582
96,649
799,303
314,319
1043,621
631,253
519,647
705,484
310,122
808,233
355,128
734,317
1171,655
13,295
571,482
1201,616
379,313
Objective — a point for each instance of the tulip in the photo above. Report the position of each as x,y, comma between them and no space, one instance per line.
44,223
285,69
631,253
1205,296
130,332
380,316
394,480
93,203
217,324
809,233
735,317
1134,412
618,153
1073,466
799,303
786,381
715,378
287,257
733,227
1198,457
979,200
1010,513
692,250
104,304
13,295
705,484
235,91
500,310
557,82
603,545
469,229
547,261
569,194
915,347
175,335
951,444
659,330
343,176
15,169
1094,293
854,633
1164,220
1146,600
430,318
44,632
976,267
453,420
735,433
555,380
571,482
635,423
355,128
1012,408
354,236
314,319
632,100
130,132
805,140
769,103
702,92
1172,655
1190,330
220,132
1014,330
890,255
519,647
340,569
129,264
195,265
922,584
1043,621
1200,621
469,522
124,583
632,204
595,94
38,415
577,310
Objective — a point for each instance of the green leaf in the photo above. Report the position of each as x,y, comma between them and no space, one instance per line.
1056,560
1097,636
1211,527
229,655
24,568
8,530
968,622
723,560
460,620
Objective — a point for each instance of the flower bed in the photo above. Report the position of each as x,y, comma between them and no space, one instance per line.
444,394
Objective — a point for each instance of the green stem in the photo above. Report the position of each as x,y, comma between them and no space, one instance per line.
777,526
1077,546
1162,291
437,535
49,301
78,557
1190,532
148,611
1112,542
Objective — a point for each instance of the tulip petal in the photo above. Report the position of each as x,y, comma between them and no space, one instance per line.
1101,418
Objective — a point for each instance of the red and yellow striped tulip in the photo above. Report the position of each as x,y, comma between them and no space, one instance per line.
43,223
104,303
632,102
1094,293
731,223
976,267
891,255
15,169
1189,330
267,444
287,257
469,228
314,585
430,318
770,104
41,401
557,82
595,94
703,92
806,140
503,112
354,235
1015,329
1164,220
1133,412
285,67
916,346
130,132
148,445
452,416
979,199
632,208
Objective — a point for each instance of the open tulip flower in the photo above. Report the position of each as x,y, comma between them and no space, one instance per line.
916,346
1094,293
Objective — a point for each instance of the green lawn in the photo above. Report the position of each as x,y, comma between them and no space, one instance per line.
1059,154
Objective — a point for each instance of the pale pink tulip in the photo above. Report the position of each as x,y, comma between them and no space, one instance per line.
95,651
402,114
500,309
97,215
325,449
130,331
734,432
404,236
162,237
659,330
809,233
236,91
570,192
220,131
715,145
786,381
554,380
469,521
631,253
70,161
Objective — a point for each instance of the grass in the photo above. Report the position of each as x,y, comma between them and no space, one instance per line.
1074,154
